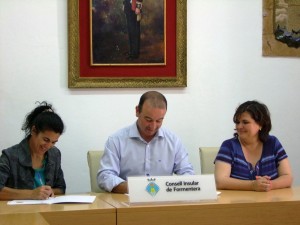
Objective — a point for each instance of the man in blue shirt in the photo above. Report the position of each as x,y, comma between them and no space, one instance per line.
143,148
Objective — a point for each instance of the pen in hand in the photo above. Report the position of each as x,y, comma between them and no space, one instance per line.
40,179
43,184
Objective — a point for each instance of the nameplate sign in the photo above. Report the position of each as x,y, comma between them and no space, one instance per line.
172,188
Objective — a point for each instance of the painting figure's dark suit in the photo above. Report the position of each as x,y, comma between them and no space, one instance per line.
133,26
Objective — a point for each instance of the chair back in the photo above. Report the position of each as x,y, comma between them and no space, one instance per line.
93,158
207,157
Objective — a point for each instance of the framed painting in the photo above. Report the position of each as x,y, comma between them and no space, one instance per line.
127,44
281,28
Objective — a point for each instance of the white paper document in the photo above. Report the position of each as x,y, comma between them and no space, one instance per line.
56,200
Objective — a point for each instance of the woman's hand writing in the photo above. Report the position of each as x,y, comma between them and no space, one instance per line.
42,192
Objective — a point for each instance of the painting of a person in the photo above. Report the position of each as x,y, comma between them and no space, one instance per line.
133,10
128,32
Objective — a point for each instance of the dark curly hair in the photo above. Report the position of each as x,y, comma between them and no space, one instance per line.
260,113
43,118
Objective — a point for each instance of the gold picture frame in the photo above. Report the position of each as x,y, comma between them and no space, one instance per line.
79,79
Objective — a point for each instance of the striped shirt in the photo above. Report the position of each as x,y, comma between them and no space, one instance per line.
272,153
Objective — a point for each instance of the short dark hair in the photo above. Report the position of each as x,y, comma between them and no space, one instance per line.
156,100
43,118
260,113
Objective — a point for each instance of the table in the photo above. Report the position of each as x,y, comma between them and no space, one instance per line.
232,207
22,219
99,212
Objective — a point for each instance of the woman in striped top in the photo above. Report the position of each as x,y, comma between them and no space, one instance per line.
252,159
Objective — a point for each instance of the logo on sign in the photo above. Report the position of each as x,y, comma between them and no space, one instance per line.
152,188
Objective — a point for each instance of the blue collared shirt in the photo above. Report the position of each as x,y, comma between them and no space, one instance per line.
128,154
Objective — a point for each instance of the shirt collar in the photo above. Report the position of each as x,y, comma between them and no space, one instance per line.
134,132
